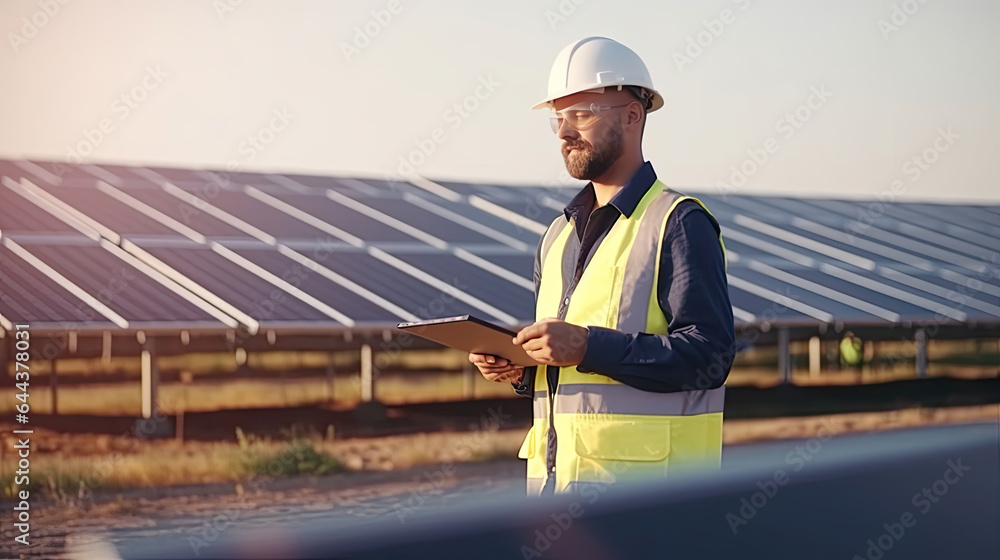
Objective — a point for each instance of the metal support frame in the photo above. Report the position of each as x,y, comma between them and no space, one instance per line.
784,356
54,387
150,379
469,375
920,339
367,379
331,370
815,356
106,349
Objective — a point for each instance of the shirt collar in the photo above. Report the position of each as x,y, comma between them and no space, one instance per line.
624,200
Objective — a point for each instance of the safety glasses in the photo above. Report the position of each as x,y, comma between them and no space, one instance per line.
581,117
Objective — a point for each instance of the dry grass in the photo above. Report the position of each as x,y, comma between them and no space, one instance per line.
60,476
400,452
165,463
147,464
758,429
143,464
68,472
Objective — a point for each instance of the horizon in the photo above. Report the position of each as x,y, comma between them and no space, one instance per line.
579,184
866,101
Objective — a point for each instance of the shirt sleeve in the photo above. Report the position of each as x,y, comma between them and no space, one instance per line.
693,293
526,387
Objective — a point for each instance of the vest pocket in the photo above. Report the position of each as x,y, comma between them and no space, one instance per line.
623,440
527,450
612,450
535,442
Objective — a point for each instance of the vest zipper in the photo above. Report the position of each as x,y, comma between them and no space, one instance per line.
550,467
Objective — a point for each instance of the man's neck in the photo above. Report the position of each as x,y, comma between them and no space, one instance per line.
608,185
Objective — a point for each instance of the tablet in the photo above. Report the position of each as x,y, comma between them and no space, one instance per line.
471,334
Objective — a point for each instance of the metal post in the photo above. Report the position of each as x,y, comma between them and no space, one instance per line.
54,387
815,356
784,356
150,379
106,350
330,371
367,379
920,338
469,373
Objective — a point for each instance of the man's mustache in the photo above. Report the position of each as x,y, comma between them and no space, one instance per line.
575,145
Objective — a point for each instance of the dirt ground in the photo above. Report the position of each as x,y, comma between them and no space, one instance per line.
374,485
749,430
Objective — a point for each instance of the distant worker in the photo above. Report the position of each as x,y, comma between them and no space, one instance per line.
633,318
851,351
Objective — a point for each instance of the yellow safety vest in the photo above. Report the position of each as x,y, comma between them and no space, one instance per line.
605,430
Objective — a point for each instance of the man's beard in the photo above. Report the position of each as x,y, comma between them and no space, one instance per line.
588,162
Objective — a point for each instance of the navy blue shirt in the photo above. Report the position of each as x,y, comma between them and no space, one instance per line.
692,291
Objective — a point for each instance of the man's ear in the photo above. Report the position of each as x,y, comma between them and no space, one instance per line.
635,113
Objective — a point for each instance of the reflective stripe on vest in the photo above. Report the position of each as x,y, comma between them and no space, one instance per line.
599,422
584,398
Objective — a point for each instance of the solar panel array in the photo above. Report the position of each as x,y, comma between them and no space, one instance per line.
105,246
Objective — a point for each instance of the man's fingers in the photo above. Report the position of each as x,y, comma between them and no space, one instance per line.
487,359
497,371
533,344
496,361
509,375
528,333
534,330
487,368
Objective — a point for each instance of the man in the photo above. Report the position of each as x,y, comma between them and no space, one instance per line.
633,318
851,351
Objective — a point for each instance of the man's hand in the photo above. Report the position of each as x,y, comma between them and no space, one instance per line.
554,342
495,368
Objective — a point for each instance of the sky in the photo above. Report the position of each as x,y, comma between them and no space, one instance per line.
865,99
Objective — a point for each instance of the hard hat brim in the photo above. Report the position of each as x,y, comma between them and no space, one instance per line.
657,99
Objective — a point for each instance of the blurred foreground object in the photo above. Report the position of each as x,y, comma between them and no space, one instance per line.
924,493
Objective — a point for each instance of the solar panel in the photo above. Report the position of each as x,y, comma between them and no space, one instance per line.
477,282
494,222
424,220
273,221
397,286
118,285
20,215
30,296
9,169
522,265
187,214
108,210
64,171
332,292
351,221
248,292
295,250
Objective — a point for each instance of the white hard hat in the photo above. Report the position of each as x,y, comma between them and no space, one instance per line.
595,63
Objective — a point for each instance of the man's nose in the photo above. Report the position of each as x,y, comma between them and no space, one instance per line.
567,132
